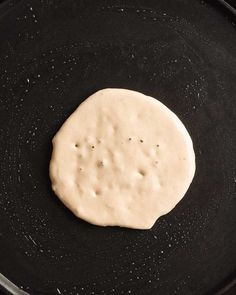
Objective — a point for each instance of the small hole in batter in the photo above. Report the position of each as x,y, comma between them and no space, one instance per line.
97,192
142,172
157,145
92,146
76,145
141,140
130,138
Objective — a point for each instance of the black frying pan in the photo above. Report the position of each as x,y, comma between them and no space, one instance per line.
54,54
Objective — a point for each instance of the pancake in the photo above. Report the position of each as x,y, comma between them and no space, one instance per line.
122,159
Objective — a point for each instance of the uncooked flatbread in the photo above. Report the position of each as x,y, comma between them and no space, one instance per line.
122,159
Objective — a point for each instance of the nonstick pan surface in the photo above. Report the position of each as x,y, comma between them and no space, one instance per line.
54,54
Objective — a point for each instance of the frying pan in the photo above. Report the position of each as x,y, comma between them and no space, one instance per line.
54,54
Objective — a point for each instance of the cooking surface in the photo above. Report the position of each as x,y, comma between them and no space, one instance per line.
54,54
